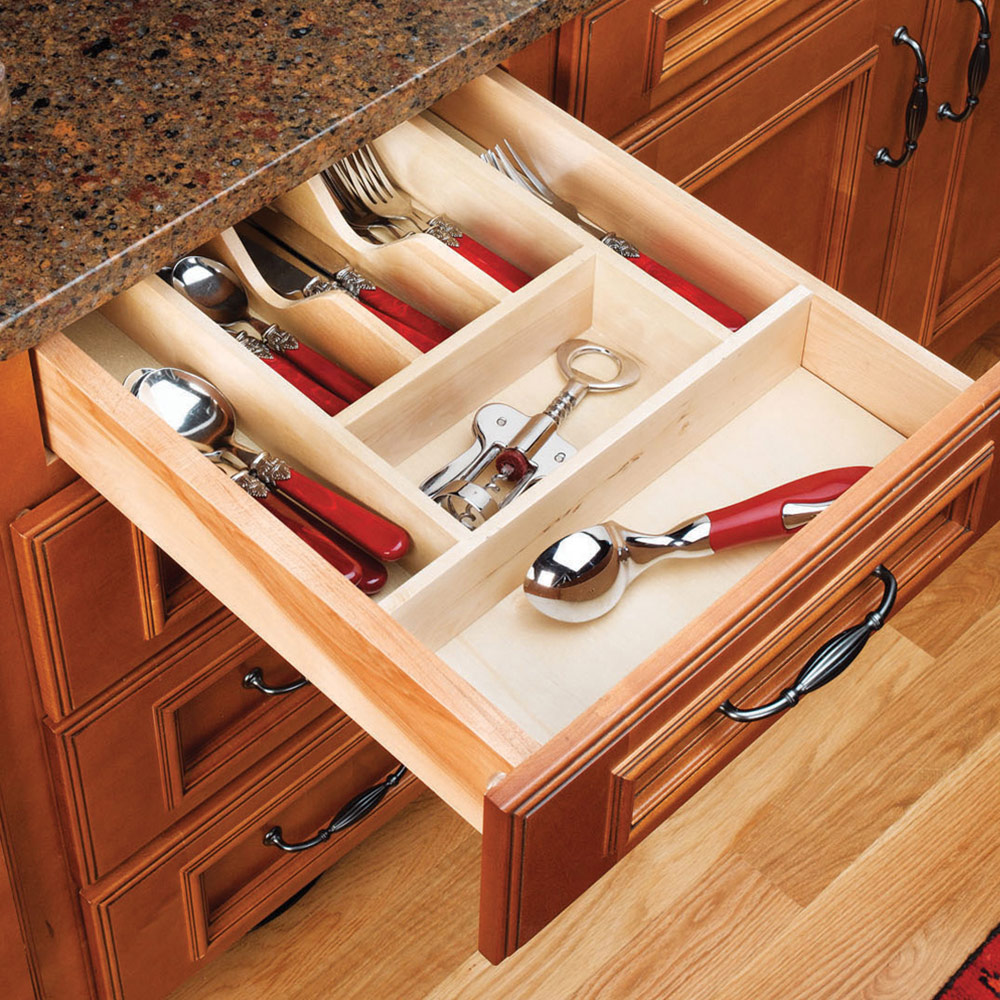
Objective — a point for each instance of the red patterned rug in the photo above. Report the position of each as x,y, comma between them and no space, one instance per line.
979,977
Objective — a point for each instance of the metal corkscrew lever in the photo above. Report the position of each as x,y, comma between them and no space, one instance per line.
520,449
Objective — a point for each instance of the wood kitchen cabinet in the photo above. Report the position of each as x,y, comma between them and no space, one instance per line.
565,748
136,742
773,113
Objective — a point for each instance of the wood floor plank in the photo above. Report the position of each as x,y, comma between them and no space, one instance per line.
939,856
965,591
919,734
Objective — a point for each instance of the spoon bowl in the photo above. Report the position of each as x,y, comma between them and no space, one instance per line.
582,576
212,287
193,406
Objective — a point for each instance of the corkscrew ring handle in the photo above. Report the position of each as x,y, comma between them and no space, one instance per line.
626,375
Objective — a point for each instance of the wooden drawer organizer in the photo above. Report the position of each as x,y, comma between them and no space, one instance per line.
564,745
155,920
174,738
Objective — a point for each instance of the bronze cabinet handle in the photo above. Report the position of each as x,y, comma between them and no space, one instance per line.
355,810
255,679
829,661
979,68
916,107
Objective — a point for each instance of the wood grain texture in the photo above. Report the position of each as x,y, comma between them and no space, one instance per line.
898,915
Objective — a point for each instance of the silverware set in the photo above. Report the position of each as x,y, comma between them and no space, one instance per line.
381,211
350,537
217,292
514,166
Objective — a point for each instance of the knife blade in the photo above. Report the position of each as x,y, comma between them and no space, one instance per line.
281,273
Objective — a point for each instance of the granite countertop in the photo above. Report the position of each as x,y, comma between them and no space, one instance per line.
139,128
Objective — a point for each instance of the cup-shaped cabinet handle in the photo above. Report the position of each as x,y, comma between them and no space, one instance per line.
979,68
916,107
353,812
829,661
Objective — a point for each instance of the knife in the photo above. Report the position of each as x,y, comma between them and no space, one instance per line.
282,271
282,267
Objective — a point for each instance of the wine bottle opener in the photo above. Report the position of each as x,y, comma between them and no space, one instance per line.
521,449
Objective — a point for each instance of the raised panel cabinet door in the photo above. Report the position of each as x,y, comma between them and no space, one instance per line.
950,243
782,139
99,597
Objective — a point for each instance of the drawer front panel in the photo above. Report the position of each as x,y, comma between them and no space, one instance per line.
72,547
644,763
155,922
148,757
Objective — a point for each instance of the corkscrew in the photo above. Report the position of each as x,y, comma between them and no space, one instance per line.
512,450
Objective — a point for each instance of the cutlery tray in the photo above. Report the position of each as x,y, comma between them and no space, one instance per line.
565,744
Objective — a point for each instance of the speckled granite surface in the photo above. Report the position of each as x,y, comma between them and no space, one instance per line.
140,128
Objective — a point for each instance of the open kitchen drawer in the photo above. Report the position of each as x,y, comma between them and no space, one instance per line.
565,744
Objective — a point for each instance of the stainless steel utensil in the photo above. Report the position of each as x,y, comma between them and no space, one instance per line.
520,448
197,410
217,291
584,575
505,158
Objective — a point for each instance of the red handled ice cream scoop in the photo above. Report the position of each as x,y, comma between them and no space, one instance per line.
583,575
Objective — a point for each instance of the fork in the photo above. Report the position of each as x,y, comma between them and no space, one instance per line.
368,189
511,164
362,220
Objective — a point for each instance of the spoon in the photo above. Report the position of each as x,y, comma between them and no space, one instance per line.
197,410
367,578
217,292
584,575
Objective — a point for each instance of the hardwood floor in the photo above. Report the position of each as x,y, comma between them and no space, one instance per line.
852,852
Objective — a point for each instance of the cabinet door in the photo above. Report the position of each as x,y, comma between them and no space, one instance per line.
782,140
15,974
950,247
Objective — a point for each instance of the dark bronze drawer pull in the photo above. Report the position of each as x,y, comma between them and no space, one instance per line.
916,107
979,68
255,679
359,807
829,661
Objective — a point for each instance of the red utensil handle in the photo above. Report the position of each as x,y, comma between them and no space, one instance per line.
759,518
706,303
496,267
336,556
415,337
327,401
387,305
327,373
373,573
371,531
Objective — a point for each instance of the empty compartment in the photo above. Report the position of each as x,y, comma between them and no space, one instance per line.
423,419
774,403
617,193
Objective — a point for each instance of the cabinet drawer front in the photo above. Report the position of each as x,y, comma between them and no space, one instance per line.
76,545
620,777
155,921
583,735
146,758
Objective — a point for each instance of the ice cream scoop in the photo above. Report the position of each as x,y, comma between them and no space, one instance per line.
584,575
